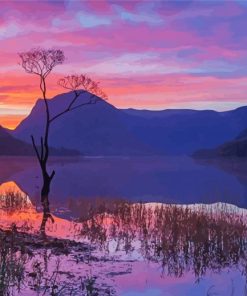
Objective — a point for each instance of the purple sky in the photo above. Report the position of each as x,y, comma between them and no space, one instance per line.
147,54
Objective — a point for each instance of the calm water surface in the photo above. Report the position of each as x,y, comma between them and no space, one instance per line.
160,179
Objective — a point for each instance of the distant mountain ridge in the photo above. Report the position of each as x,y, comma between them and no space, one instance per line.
235,148
102,129
186,131
12,146
157,113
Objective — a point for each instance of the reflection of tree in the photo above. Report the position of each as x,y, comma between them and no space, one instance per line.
179,238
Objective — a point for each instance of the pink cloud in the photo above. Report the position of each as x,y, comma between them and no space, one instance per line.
194,53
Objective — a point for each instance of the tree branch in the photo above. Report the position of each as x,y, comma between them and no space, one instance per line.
70,106
83,104
36,149
42,148
52,175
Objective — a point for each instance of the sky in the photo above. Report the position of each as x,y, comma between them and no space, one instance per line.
146,54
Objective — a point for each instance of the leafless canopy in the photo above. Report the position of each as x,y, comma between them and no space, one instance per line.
41,61
82,83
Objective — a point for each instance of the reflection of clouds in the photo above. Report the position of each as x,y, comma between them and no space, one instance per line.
12,198
145,277
16,208
9,186
197,239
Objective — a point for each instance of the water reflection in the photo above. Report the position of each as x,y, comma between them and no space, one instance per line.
13,199
30,266
182,239
135,179
171,250
11,265
17,209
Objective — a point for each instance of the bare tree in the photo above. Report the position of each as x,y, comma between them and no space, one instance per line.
41,62
80,84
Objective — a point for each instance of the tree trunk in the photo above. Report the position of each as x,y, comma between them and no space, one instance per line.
45,201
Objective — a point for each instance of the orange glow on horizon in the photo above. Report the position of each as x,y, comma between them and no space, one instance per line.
144,57
174,91
11,121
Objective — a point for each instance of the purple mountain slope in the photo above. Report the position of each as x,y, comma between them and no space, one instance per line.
12,146
96,129
234,148
102,129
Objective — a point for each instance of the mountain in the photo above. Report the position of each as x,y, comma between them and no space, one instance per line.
158,113
102,129
12,146
96,129
235,148
185,131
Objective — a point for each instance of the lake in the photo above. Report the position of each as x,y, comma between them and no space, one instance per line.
178,179
135,250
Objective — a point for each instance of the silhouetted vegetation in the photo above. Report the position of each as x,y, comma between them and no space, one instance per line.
11,265
25,265
179,238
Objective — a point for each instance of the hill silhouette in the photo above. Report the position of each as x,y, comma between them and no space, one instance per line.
102,129
12,146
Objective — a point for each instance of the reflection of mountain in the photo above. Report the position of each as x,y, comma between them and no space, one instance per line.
9,145
102,129
174,179
17,208
237,167
13,165
132,178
